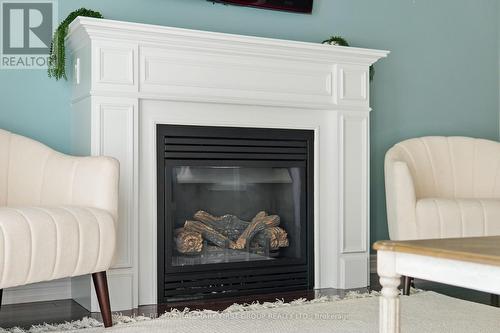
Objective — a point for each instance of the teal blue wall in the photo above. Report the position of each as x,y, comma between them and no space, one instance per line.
441,77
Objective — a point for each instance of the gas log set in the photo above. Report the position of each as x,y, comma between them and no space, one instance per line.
262,234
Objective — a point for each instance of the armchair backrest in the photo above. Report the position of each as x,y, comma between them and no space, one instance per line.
450,167
33,174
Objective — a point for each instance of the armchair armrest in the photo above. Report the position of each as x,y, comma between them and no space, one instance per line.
400,200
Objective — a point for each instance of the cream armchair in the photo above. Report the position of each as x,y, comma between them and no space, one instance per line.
442,187
58,215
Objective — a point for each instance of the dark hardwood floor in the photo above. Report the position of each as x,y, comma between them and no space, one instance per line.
28,314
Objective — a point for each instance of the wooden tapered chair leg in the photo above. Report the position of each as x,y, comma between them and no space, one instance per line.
407,285
101,288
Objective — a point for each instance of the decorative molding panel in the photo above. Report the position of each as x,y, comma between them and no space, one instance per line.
353,85
114,66
171,72
354,183
117,119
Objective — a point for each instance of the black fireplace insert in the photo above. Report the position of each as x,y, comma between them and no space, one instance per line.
235,211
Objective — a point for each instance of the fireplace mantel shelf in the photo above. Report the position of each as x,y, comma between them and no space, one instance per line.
130,77
126,57
83,28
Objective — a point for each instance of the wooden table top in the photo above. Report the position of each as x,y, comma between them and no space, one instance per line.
481,250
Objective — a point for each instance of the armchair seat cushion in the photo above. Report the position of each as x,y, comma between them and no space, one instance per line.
446,218
53,242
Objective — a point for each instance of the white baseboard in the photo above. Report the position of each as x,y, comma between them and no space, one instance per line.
37,292
80,289
121,290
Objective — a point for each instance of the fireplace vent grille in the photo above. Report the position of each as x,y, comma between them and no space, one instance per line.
253,281
179,146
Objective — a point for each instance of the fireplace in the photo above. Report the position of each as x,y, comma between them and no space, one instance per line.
123,88
235,211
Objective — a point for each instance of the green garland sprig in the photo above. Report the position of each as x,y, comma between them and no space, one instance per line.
336,40
57,57
339,41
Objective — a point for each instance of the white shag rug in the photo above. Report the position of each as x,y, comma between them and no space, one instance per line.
421,312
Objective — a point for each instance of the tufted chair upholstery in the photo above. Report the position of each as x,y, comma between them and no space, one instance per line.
441,187
57,212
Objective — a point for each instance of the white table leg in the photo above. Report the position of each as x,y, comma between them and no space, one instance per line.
389,301
389,305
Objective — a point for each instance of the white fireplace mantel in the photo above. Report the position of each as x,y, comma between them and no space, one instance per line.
128,77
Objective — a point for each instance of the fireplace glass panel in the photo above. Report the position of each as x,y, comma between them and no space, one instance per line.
227,214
